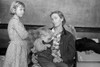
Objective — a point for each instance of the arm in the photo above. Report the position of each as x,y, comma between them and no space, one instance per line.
19,28
39,46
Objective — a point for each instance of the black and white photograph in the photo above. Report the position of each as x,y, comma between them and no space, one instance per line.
49,33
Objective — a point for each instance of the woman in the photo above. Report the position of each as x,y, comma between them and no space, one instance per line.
63,46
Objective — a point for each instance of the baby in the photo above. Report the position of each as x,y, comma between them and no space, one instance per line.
45,35
41,43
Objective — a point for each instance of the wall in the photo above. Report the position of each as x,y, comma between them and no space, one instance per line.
83,13
77,12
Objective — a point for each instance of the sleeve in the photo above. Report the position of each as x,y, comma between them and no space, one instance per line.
70,49
20,29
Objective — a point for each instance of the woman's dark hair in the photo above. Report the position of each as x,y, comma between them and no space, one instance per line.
60,15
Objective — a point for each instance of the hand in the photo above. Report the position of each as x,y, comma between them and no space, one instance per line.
47,45
34,50
36,65
57,60
34,59
42,48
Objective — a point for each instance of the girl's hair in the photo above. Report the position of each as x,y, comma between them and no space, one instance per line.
14,5
60,14
37,33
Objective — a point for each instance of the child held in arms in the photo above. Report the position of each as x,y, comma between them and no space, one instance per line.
42,45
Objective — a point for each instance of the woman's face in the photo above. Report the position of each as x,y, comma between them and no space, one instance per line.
57,21
20,11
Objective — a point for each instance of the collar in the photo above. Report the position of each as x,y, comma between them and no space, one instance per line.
15,17
63,31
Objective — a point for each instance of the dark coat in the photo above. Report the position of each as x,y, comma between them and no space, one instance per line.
67,47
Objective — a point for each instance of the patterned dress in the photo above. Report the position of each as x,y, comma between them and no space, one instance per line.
16,54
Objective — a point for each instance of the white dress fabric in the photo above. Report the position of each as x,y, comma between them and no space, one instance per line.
16,54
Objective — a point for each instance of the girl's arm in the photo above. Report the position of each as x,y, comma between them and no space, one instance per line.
20,29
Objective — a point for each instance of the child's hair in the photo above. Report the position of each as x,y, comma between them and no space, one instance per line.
14,5
60,14
35,34
45,29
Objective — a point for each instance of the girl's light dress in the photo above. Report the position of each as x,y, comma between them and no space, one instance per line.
16,54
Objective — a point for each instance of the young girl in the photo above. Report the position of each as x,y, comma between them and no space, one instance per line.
16,54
